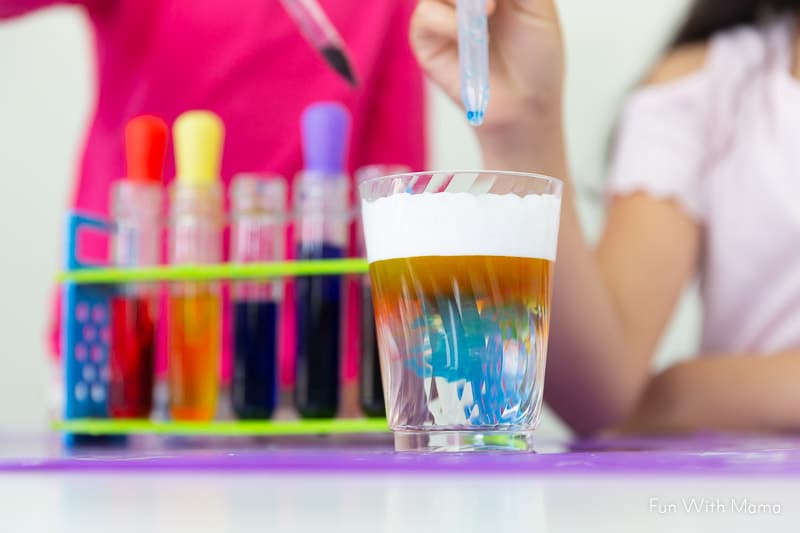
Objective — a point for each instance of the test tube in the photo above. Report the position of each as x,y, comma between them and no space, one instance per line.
258,208
370,383
136,205
195,238
321,200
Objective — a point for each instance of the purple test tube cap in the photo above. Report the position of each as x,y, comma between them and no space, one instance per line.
326,133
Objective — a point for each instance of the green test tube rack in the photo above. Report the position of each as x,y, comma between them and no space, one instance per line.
229,272
232,428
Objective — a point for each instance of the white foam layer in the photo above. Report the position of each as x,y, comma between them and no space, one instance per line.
461,224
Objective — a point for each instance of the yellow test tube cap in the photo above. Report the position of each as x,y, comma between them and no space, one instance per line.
198,137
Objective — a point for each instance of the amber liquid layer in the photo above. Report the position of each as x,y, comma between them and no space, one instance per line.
462,340
194,342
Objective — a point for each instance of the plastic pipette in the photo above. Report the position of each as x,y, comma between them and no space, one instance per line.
318,30
473,53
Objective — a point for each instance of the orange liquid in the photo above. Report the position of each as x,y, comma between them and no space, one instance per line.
485,278
447,325
194,342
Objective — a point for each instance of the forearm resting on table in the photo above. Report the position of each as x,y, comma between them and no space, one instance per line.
725,393
593,377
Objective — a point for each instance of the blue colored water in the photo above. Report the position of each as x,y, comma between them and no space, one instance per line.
319,326
467,345
475,117
255,366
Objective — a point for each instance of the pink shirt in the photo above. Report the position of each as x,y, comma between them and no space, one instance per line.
725,143
246,61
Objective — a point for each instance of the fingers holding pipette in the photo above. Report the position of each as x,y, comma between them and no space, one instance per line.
434,39
525,56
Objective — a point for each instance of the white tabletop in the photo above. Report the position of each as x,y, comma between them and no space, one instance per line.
242,502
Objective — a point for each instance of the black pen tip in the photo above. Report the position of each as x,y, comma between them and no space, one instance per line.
337,59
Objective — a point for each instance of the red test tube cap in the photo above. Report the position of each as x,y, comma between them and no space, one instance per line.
145,148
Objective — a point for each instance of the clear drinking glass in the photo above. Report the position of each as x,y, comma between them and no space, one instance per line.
461,266
370,387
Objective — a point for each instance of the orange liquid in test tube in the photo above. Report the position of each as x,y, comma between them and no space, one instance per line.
195,313
194,352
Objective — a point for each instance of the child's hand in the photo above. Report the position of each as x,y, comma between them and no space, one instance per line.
526,59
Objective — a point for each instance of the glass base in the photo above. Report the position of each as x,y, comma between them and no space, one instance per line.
462,441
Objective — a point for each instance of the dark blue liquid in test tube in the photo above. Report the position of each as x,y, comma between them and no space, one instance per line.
322,194
319,326
370,386
258,208
255,367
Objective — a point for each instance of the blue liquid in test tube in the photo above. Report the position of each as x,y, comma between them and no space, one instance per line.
473,53
322,218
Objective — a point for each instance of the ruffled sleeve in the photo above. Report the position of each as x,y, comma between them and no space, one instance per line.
661,145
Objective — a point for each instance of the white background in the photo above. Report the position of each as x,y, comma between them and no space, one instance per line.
46,94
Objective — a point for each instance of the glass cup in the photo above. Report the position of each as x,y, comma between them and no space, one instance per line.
462,266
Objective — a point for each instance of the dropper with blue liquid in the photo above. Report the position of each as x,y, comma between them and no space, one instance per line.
473,54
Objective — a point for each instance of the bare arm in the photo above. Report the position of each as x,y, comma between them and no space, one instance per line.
621,297
610,305
738,393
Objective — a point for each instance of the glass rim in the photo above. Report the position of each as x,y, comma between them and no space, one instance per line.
514,173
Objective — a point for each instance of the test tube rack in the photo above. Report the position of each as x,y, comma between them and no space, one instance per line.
88,289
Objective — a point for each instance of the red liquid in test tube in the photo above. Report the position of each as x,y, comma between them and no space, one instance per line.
137,210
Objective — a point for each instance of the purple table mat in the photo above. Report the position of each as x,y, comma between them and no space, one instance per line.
704,455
